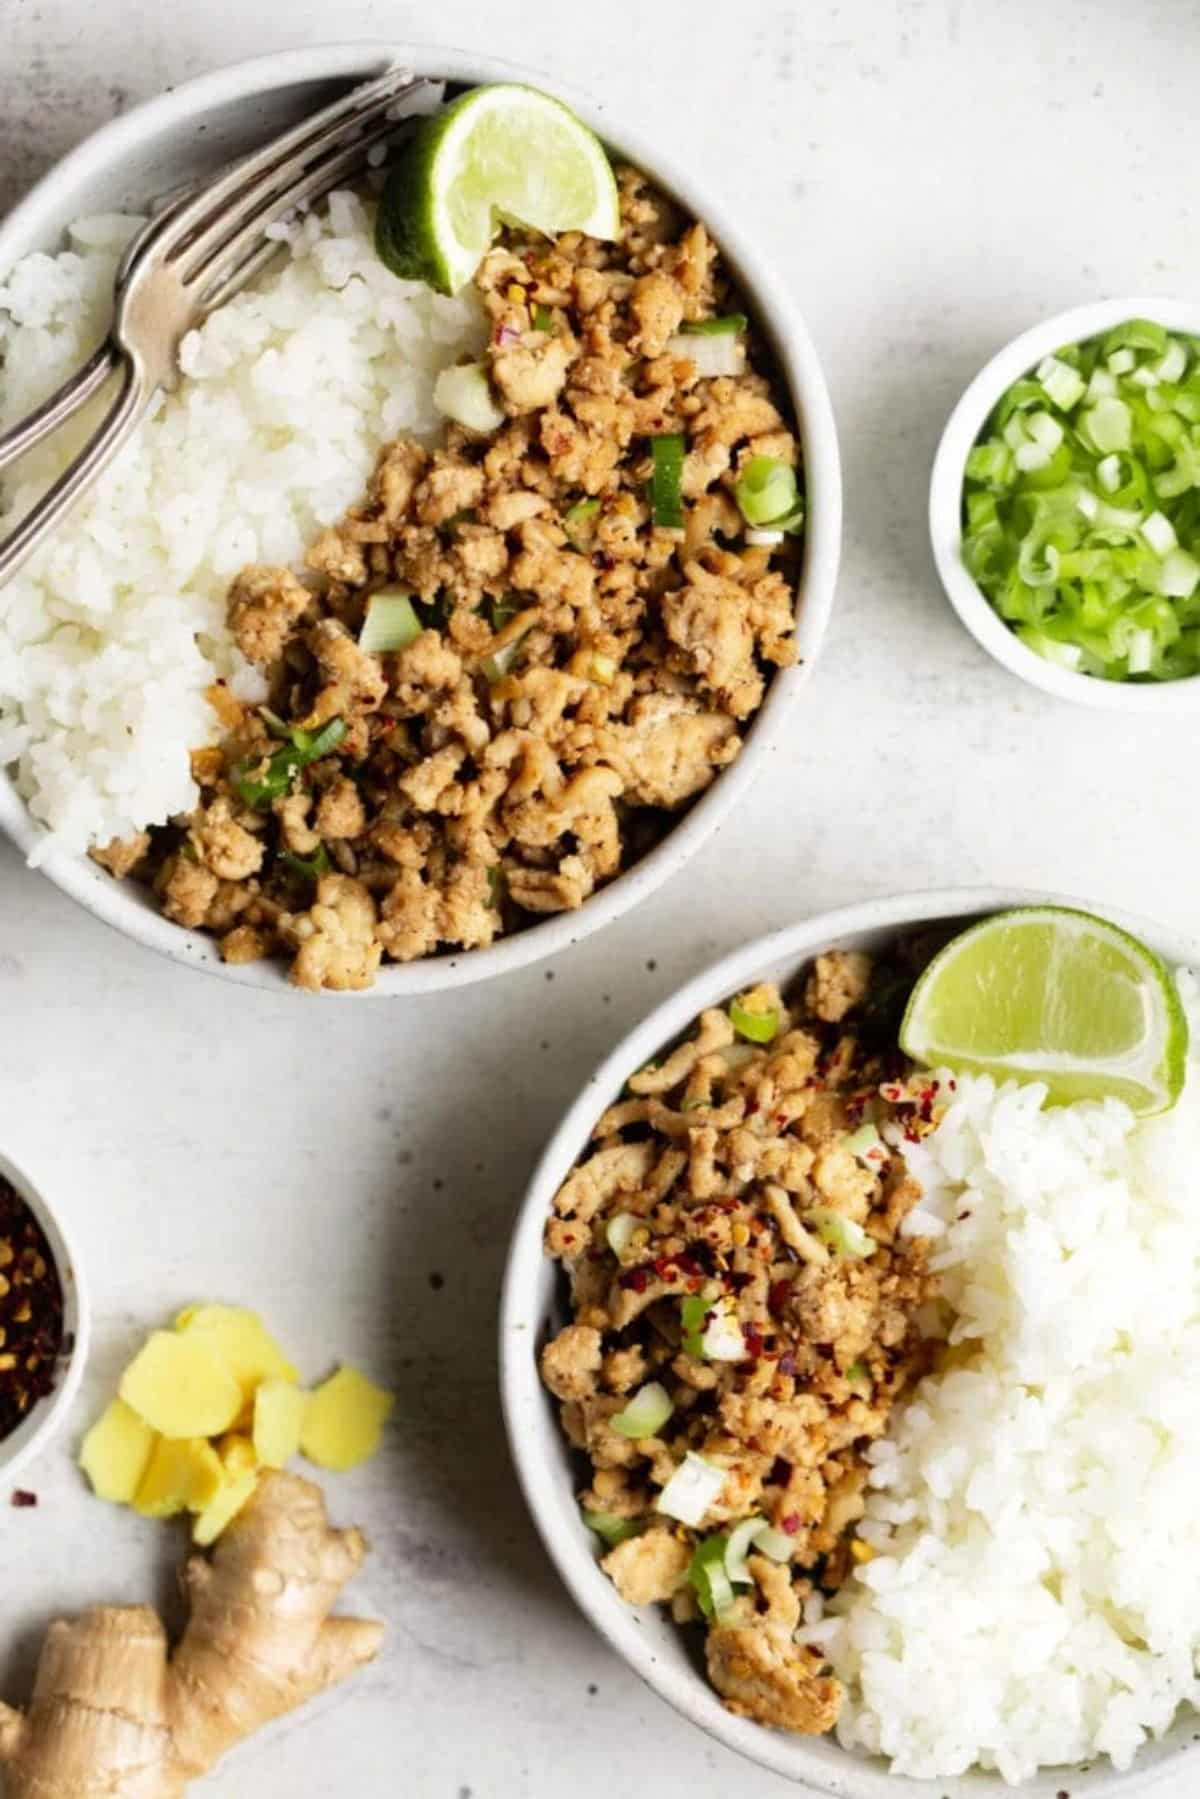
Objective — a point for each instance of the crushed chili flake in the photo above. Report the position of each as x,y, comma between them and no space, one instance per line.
22,1498
778,1295
791,1524
636,1278
753,1341
31,1311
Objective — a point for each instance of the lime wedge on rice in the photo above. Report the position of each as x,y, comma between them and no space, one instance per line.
1049,994
497,153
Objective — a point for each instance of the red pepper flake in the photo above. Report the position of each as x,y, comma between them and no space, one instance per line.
778,1296
753,1341
637,1279
689,1264
31,1311
665,1268
22,1498
790,1524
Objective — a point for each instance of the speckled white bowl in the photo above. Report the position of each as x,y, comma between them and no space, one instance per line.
193,129
945,508
48,1416
532,1310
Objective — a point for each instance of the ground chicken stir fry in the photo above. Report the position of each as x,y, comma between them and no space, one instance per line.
580,672
744,1320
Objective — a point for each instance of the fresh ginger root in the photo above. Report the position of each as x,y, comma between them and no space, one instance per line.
115,1714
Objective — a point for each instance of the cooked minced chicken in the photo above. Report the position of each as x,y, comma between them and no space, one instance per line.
733,1246
582,673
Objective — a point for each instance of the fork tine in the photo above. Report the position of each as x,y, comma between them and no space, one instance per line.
212,207
277,194
226,257
119,421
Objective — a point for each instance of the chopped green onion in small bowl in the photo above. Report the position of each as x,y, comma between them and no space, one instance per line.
1065,505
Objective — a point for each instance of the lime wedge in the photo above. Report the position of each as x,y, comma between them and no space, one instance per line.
1049,994
496,153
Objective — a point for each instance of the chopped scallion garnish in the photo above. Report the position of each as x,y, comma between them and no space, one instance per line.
1081,506
543,318
767,494
666,481
391,623
842,1234
691,1490
645,1414
709,1579
259,789
311,867
618,1232
608,1527
728,325
756,1027
579,523
464,393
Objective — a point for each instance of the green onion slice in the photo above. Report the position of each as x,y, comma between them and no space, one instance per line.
842,1235
666,480
619,1231
756,1027
391,622
691,1490
258,790
646,1412
710,1580
607,1526
776,1545
741,1541
579,523
766,492
693,1313
464,393
729,324
858,1371
543,318
863,1142
311,867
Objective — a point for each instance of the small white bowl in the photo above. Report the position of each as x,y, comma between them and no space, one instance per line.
49,1414
192,130
532,1309
945,507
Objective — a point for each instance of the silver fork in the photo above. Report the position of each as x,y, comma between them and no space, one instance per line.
193,255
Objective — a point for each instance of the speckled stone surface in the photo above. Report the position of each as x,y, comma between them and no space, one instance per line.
931,177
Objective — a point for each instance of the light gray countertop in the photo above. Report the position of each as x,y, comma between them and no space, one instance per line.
930,178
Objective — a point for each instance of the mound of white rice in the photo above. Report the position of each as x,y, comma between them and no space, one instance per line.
1035,1599
109,636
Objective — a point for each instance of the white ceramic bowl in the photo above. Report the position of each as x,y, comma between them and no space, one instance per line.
532,1309
49,1414
202,123
945,508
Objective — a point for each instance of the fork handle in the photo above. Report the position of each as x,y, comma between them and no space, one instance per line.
65,401
79,474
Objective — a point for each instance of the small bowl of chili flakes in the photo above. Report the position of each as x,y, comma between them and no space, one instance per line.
44,1321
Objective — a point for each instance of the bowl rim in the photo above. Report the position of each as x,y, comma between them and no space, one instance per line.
48,1416
524,1401
962,428
27,227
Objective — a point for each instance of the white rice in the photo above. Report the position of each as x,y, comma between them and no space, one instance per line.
109,636
1036,1596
